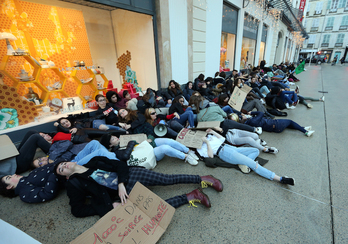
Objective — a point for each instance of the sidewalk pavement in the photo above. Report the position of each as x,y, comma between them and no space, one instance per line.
251,209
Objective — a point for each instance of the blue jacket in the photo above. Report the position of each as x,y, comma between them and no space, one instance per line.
64,150
259,120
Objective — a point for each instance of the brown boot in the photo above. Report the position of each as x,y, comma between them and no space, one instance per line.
198,196
211,181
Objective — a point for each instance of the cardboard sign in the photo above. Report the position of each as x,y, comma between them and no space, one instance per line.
238,97
139,138
191,138
143,219
208,124
7,148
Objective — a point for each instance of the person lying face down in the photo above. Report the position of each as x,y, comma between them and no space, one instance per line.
120,181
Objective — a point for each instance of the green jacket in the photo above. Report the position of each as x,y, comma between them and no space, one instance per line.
213,113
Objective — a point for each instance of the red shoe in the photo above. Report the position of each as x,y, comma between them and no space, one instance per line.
198,196
210,180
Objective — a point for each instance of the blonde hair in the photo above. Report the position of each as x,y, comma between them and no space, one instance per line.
234,117
147,114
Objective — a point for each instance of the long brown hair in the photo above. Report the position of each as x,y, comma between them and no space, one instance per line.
147,114
130,117
196,100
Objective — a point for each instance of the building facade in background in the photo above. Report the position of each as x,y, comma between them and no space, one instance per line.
326,22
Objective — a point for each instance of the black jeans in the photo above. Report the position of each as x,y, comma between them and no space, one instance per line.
27,149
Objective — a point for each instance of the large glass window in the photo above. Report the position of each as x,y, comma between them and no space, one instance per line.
262,51
330,22
248,52
227,51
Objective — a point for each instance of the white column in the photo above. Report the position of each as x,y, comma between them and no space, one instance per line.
258,43
239,39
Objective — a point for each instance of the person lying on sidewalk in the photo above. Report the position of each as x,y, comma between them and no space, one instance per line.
41,185
244,157
272,125
104,179
161,148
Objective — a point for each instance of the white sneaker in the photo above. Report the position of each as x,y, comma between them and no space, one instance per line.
292,83
272,150
309,133
322,98
245,169
191,160
289,107
307,128
258,130
193,155
263,143
262,101
309,105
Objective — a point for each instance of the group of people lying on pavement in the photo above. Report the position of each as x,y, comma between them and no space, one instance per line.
85,157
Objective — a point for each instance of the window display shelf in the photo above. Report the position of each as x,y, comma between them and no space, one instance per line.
38,76
91,83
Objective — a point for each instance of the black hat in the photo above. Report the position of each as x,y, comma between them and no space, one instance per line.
105,140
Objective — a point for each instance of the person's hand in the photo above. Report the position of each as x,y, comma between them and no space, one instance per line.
249,113
123,125
149,140
218,129
56,124
177,115
209,130
116,204
127,127
73,130
204,139
127,103
122,193
159,98
105,113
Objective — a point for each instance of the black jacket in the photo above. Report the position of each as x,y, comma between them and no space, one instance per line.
79,186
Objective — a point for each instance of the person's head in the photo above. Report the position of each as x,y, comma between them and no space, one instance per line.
234,72
101,101
223,99
109,140
234,117
126,115
196,102
65,169
39,162
113,97
148,95
64,122
47,137
237,82
201,77
223,74
178,99
253,79
8,184
208,80
216,74
126,95
196,93
150,115
189,85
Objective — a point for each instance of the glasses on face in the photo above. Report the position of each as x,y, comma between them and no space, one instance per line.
102,100
153,113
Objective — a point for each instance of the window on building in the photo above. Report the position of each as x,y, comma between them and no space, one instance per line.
340,38
342,3
344,20
330,22
326,38
318,8
308,7
328,6
311,39
315,23
334,5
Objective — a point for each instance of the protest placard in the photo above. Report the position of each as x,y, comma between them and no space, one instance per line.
208,124
191,138
143,219
238,97
139,138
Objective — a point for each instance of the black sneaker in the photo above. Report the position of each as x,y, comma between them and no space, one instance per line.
287,181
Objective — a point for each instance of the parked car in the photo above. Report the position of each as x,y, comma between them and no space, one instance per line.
317,59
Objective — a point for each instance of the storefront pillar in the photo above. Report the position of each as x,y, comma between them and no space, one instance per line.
258,44
239,38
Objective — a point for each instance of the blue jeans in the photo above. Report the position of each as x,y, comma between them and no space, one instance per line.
227,109
264,89
99,122
91,150
245,156
186,116
169,147
288,96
